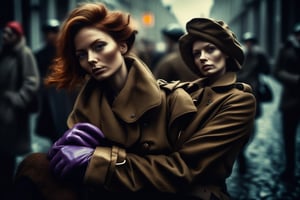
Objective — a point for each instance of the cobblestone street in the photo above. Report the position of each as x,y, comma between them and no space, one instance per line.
264,159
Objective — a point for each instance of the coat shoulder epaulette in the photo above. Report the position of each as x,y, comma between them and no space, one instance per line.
243,86
171,86
238,85
189,87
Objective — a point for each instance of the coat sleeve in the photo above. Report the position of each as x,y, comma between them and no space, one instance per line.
30,79
207,150
215,144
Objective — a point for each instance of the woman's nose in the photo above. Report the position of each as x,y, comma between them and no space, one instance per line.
203,56
92,57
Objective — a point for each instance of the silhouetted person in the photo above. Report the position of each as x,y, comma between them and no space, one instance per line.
149,53
55,105
19,80
287,72
255,65
171,66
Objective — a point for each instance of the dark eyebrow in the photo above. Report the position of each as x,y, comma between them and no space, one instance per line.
206,46
92,44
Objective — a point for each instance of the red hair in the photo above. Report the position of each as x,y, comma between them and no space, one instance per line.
66,71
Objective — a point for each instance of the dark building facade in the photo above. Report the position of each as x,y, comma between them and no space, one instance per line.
32,14
271,20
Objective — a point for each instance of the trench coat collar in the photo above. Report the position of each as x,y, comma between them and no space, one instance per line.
228,79
140,93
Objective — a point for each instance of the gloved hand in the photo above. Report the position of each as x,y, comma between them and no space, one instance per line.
71,161
82,134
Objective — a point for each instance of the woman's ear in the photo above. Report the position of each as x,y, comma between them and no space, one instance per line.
123,47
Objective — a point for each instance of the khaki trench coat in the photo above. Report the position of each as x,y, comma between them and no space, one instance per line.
202,154
159,145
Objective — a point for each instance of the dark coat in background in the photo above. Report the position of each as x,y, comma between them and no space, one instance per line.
287,72
256,65
19,81
171,68
55,105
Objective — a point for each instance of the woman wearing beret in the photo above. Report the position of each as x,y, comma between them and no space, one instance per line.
128,138
211,143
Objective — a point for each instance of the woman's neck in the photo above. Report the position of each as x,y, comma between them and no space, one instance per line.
118,81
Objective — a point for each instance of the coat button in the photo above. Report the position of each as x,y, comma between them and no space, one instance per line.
240,86
146,146
209,101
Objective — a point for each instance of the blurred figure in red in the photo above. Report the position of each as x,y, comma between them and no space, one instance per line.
19,81
287,72
171,66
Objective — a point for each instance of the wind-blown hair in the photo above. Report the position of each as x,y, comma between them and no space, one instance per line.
65,72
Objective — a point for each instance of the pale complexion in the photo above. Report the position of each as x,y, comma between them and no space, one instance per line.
209,59
101,56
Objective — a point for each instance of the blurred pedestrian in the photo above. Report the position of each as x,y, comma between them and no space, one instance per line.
256,64
55,105
19,81
287,72
149,53
47,52
171,66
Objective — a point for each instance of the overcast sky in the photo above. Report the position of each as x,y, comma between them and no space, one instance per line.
187,9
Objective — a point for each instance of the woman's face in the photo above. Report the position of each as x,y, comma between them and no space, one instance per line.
98,53
209,59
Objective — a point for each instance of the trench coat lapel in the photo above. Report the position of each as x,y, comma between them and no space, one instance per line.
140,93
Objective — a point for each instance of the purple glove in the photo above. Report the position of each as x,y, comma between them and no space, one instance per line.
71,161
82,134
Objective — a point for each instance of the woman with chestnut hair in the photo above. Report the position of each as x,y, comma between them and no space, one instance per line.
123,126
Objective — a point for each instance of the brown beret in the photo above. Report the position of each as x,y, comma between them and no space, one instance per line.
216,32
